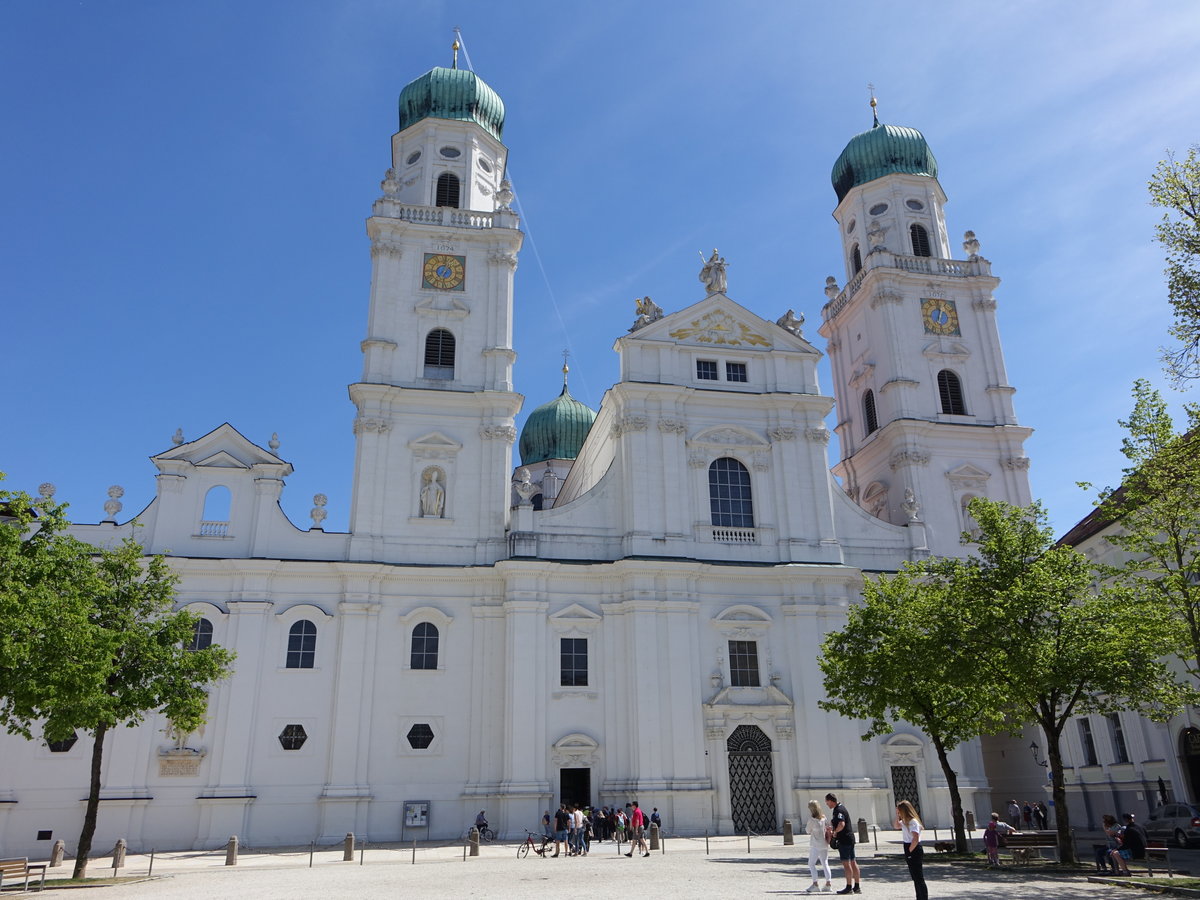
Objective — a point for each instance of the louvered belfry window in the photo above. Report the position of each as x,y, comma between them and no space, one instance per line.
920,240
950,393
872,419
439,354
449,193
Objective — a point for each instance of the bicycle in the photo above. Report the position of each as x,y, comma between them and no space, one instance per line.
531,844
486,834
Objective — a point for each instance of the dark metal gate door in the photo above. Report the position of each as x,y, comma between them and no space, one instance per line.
904,785
751,780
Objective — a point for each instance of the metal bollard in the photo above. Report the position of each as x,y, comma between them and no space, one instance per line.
56,854
653,835
473,840
231,851
118,856
862,831
348,847
788,838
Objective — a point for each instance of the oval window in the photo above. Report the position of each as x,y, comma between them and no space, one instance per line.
850,227
450,152
914,204
879,209
485,165
413,157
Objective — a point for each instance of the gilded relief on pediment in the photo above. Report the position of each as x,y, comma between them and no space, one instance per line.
720,329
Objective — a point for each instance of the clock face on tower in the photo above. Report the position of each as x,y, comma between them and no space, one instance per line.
444,272
940,316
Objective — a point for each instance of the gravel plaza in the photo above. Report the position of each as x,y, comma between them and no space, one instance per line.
684,870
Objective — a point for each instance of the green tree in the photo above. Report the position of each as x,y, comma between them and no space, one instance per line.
92,642
1156,512
891,662
1057,640
1175,187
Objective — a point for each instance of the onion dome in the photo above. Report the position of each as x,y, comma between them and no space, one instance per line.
884,150
556,430
452,94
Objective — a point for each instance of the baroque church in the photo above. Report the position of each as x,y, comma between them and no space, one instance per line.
633,609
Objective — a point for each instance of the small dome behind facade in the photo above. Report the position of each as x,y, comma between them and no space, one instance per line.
883,150
452,94
556,430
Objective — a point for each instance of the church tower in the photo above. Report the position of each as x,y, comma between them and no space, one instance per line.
435,406
924,404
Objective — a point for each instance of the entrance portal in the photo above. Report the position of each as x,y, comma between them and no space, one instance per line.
751,780
575,787
904,786
1189,756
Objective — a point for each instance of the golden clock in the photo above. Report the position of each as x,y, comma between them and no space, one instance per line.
940,316
444,271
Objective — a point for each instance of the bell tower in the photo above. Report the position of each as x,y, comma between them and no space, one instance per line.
925,411
435,406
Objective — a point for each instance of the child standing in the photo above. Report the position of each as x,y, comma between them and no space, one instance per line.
991,841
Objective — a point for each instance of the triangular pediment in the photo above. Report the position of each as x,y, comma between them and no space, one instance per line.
728,435
435,440
968,475
225,448
575,614
948,350
717,321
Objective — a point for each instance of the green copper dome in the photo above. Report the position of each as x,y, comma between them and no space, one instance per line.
452,94
884,150
555,430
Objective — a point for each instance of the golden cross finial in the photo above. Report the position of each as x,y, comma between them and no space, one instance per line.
455,47
565,368
874,104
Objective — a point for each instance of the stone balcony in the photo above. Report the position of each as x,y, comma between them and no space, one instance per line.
921,265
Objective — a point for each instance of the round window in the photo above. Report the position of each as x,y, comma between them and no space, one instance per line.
413,157
450,152
485,165
879,209
850,227
914,204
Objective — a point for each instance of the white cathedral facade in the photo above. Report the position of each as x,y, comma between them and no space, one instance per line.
633,610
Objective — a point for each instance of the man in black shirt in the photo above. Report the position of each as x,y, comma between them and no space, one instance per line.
562,821
1133,844
843,836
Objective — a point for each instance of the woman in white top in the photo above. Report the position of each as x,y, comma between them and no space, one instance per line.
818,849
914,853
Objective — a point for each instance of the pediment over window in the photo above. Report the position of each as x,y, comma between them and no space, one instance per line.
729,435
575,614
224,448
434,445
222,460
742,613
967,476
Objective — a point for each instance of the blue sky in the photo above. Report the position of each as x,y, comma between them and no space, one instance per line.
185,187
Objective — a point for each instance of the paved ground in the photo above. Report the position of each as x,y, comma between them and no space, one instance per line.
684,871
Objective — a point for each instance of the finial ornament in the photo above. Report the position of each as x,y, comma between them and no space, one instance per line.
177,437
874,105
971,245
113,504
273,443
831,288
455,47
318,512
46,490
565,368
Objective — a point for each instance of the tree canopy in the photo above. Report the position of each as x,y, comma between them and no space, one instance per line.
91,641
1175,186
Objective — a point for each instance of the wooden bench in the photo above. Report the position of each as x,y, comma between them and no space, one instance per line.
1155,851
1020,843
13,869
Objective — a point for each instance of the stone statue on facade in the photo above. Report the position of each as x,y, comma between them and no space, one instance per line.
831,288
875,234
791,323
911,507
971,245
524,485
433,496
647,311
713,273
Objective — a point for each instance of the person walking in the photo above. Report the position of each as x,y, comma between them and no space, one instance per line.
843,835
818,849
638,823
1013,811
914,854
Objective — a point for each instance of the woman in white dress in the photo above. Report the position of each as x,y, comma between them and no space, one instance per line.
818,849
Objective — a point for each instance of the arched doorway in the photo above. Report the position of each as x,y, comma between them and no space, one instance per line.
1189,758
751,780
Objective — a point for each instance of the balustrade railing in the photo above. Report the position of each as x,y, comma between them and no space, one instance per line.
433,215
214,529
924,265
721,535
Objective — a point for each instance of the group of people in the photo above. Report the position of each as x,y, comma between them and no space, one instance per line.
1033,814
575,827
835,832
1123,842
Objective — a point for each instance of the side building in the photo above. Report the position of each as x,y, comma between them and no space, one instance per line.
635,610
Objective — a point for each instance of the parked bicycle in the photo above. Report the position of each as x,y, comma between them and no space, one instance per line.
536,842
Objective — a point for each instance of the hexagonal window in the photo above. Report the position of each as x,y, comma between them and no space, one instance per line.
292,737
64,745
420,737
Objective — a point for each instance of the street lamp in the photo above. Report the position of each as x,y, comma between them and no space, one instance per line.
1034,749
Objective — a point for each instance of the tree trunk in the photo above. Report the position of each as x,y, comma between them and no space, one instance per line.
956,810
1066,846
93,805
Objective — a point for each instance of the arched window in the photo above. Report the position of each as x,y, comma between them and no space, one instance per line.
201,635
448,192
920,240
950,393
215,520
302,645
424,646
439,354
869,414
855,261
729,494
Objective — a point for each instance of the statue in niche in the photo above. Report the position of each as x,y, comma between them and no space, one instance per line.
713,273
790,322
647,311
433,495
